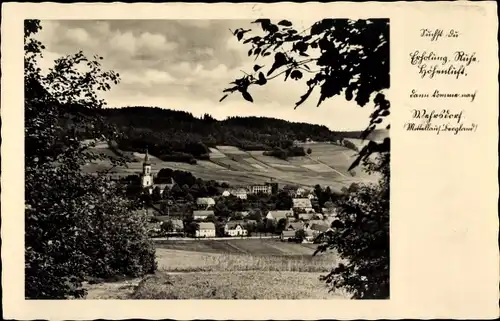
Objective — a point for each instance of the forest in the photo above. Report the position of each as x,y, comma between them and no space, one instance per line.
179,136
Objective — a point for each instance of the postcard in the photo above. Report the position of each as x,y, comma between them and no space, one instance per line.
250,161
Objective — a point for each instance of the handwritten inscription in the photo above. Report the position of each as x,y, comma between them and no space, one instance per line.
430,64
470,96
449,63
435,34
423,120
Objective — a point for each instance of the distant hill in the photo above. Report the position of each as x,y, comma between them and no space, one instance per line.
181,137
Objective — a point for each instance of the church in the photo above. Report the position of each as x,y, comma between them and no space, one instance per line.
147,177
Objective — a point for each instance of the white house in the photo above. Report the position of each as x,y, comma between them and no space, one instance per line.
239,193
202,214
303,203
255,189
205,202
300,191
235,228
207,229
278,215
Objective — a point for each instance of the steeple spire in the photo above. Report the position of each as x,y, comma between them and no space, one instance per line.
146,158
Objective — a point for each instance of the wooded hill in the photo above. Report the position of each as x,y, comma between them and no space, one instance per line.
179,136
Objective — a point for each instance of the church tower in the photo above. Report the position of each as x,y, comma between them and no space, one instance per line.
147,177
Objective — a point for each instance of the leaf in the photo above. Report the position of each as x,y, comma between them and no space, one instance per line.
285,23
240,35
230,89
256,67
247,96
279,60
262,79
304,97
266,21
296,74
223,97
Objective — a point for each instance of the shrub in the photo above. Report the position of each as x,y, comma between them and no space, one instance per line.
361,238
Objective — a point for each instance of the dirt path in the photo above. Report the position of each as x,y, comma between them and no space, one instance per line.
121,290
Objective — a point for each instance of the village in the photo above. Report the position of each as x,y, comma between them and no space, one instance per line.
298,217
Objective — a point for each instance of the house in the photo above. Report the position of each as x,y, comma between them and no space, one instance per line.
295,226
278,215
287,234
315,229
202,214
206,229
303,203
235,228
205,203
320,222
238,192
306,216
300,191
256,189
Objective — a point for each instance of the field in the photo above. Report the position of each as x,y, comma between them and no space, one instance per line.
230,269
235,285
240,246
327,165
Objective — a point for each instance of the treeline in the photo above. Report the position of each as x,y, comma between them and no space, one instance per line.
179,136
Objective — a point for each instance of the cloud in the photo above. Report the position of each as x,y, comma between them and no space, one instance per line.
185,65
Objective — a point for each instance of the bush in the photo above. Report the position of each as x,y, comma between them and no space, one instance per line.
361,238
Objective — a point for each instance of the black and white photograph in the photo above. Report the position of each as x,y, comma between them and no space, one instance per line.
190,159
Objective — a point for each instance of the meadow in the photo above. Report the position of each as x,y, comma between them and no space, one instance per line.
236,286
327,165
234,269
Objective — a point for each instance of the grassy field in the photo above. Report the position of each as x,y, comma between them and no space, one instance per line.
327,165
187,261
232,269
235,285
241,246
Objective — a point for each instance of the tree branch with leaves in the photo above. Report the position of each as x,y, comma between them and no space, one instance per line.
334,56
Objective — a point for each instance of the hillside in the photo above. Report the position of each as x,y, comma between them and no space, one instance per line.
181,137
326,165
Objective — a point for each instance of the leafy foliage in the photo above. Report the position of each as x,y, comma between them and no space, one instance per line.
343,57
77,225
361,236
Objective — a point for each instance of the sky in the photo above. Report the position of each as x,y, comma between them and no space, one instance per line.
185,65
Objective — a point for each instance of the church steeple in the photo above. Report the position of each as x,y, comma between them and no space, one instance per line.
146,158
147,179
